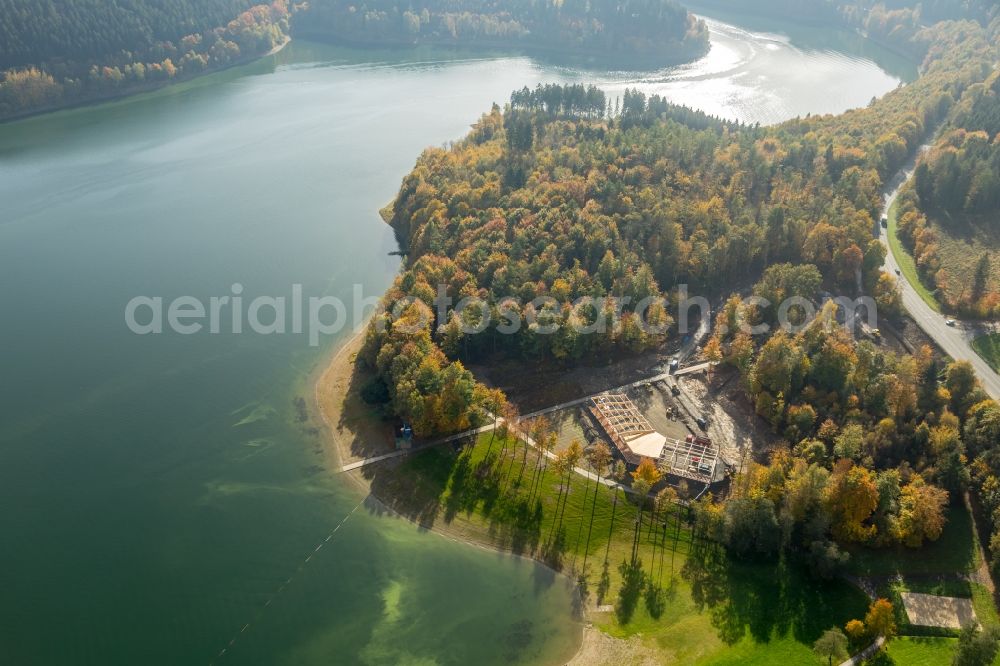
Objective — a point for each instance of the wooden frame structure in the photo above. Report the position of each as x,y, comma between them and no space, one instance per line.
623,423
695,459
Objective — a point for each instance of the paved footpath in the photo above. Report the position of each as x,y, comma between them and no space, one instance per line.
487,428
402,452
860,657
469,433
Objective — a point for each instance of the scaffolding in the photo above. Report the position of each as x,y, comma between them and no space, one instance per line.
695,458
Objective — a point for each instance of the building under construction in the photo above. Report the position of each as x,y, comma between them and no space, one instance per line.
695,458
627,428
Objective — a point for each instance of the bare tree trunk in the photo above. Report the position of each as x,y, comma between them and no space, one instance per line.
503,448
663,547
638,531
541,476
649,533
513,459
552,530
493,433
677,536
524,463
534,476
569,475
590,530
611,531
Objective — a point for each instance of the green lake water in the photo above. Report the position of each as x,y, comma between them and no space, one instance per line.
158,495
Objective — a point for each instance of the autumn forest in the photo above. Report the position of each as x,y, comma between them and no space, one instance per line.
617,335
565,194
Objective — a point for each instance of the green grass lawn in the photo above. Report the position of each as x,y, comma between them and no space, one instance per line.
920,651
906,262
737,614
981,601
988,346
962,241
687,601
955,551
531,512
932,569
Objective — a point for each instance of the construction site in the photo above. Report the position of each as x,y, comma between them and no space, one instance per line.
684,420
694,457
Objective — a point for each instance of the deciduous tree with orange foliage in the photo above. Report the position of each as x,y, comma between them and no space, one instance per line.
851,498
881,619
921,512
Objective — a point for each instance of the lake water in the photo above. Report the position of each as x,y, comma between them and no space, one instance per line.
158,496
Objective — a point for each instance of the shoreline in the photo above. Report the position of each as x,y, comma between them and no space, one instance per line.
341,428
322,405
144,89
278,48
328,402
582,58
328,398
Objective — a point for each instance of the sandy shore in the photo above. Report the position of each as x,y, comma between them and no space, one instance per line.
353,432
330,400
279,47
599,649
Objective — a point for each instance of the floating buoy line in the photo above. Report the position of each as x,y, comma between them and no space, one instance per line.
288,581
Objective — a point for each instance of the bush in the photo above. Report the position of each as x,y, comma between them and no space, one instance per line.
375,392
826,559
856,631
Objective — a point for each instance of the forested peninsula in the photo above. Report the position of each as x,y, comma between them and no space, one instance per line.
563,195
558,195
638,32
56,54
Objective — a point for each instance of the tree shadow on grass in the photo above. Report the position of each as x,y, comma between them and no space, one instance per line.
604,584
555,549
363,425
955,550
517,525
766,600
583,587
460,498
656,599
880,658
411,487
630,591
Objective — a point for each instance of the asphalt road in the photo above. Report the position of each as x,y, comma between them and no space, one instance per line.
954,340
